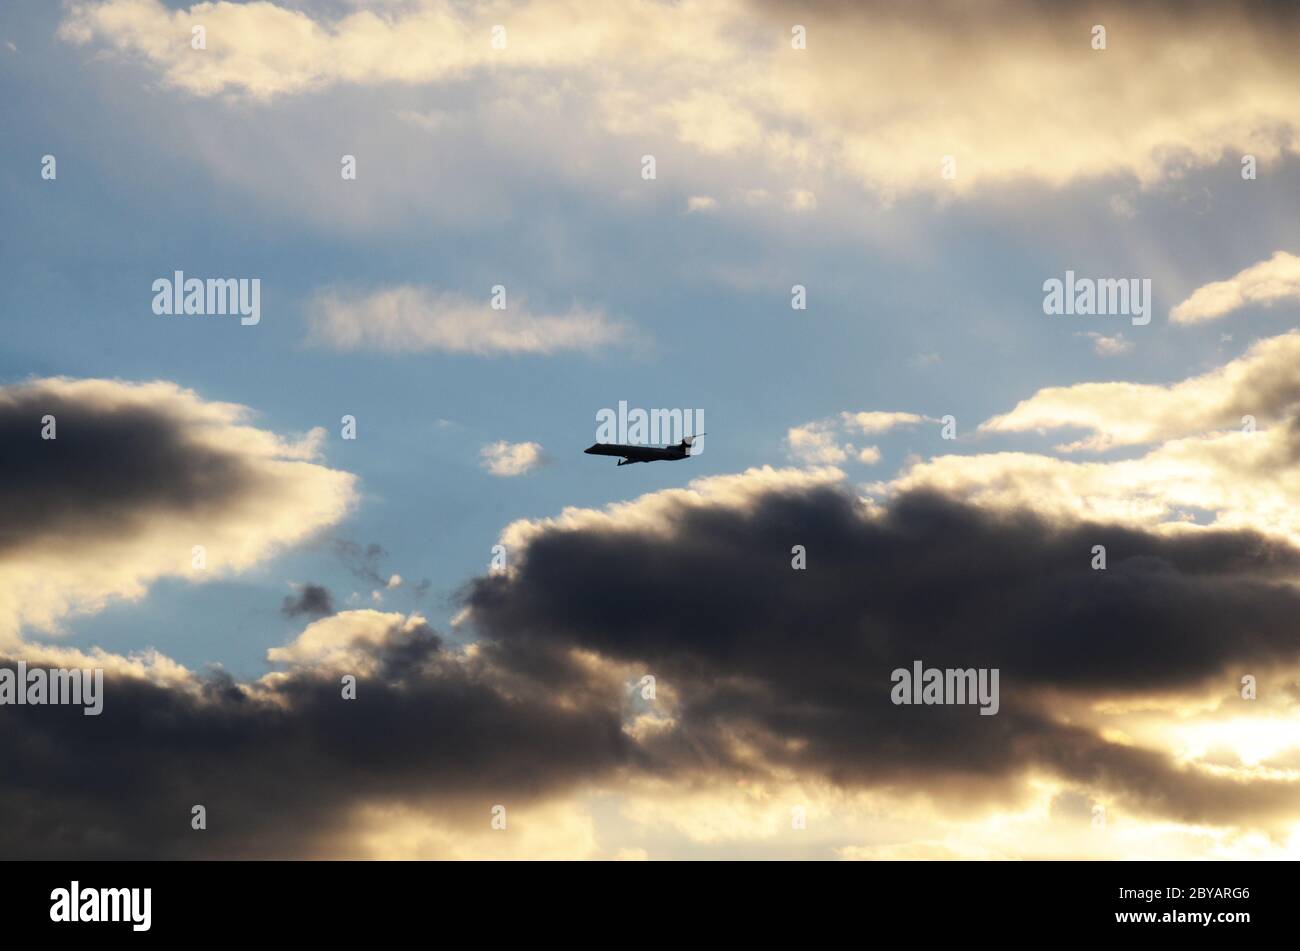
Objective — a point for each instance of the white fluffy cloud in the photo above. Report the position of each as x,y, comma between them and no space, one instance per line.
511,459
814,444
823,442
874,422
1264,284
346,641
415,319
658,512
1262,384
1222,451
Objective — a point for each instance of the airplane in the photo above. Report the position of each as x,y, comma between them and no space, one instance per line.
633,454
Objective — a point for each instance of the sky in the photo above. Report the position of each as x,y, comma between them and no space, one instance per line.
916,464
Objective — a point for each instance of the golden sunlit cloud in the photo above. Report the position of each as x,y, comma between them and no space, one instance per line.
1261,285
898,98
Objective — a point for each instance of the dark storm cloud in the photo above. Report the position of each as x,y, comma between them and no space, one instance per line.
931,578
798,663
280,778
110,467
794,665
313,600
138,480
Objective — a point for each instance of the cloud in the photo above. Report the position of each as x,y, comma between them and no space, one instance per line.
1143,657
1261,285
658,512
876,422
311,599
1222,451
776,693
412,319
881,93
1261,383
1246,480
786,672
362,562
898,545
821,442
1105,346
511,459
139,474
350,642
814,444
1119,685
286,767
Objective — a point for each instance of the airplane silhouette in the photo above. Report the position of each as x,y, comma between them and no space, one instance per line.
633,454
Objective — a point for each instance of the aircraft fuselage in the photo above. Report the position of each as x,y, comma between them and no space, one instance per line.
631,454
